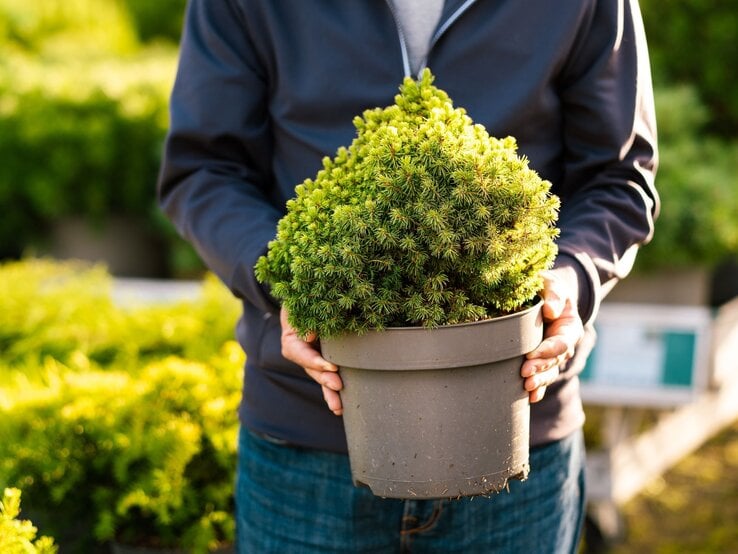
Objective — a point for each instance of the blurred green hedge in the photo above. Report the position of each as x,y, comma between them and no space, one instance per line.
693,42
66,312
66,29
698,184
691,45
157,19
119,422
90,28
79,139
84,90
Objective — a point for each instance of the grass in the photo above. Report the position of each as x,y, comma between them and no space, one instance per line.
693,508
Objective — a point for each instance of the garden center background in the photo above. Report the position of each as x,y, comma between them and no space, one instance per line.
119,380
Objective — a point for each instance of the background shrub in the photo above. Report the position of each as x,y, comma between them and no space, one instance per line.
692,42
146,459
65,29
160,20
119,422
84,88
79,144
65,312
18,536
697,180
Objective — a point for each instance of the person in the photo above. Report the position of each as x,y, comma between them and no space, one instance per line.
265,89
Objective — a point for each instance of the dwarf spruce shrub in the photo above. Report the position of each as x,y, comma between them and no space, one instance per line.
425,219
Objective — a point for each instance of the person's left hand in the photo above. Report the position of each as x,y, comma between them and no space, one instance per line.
562,332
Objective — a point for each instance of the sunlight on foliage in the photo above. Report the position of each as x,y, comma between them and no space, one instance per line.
65,28
128,413
424,219
19,536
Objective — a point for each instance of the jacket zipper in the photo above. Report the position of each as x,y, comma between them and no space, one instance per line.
403,44
442,29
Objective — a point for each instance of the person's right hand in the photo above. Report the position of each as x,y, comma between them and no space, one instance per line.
562,332
305,354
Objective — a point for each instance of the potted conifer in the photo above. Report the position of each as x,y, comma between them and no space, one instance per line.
415,254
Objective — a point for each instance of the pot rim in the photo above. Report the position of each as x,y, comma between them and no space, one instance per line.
447,346
538,301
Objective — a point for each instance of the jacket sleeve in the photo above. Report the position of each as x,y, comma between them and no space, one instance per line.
214,182
609,202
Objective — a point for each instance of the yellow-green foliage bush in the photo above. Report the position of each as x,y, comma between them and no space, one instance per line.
425,219
18,536
103,427
61,28
66,312
152,456
70,28
79,138
83,114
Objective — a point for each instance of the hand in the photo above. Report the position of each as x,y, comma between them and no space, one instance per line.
563,331
305,354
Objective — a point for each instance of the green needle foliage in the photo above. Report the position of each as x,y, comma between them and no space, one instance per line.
424,219
18,536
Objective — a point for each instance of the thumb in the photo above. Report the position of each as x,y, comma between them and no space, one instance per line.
553,303
553,307
557,292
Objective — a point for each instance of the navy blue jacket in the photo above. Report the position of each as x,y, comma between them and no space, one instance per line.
266,88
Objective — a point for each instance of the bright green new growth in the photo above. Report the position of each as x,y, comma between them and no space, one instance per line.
424,220
18,536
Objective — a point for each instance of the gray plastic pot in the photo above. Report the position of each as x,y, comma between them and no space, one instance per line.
437,413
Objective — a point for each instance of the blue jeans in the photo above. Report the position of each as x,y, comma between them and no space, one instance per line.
292,500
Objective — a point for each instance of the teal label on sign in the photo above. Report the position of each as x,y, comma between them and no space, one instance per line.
679,359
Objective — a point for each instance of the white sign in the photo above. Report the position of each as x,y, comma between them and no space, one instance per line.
648,355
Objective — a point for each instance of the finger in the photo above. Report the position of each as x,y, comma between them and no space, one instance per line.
326,379
537,365
537,384
561,336
541,379
552,347
537,395
304,354
302,351
333,400
553,302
